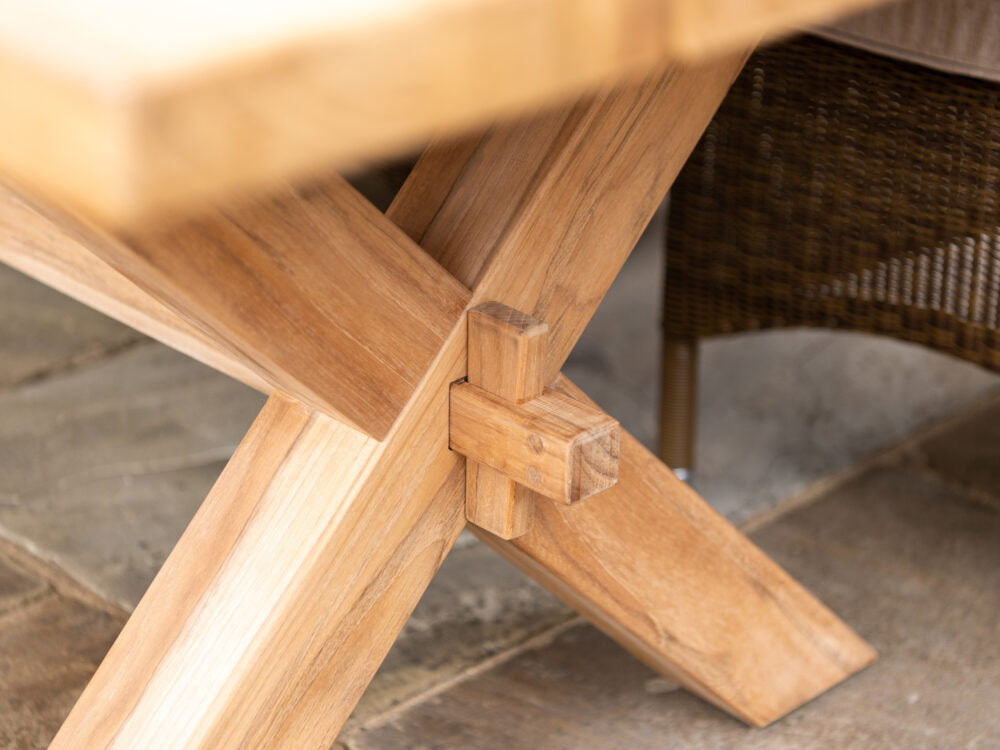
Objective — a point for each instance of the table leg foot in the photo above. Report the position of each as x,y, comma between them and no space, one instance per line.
656,568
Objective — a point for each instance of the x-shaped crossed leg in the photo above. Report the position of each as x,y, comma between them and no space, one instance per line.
291,583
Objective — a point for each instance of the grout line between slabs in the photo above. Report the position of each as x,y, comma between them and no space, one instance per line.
94,354
59,580
537,641
24,601
893,455
973,494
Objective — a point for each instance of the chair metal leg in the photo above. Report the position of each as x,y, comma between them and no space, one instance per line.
678,403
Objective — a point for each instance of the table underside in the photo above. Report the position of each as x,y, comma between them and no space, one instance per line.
133,109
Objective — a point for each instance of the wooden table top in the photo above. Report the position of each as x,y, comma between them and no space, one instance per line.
124,109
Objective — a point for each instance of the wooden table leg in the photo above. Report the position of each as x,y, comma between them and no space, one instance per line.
648,561
285,592
657,569
282,597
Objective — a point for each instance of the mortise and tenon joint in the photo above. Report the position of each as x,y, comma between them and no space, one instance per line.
522,440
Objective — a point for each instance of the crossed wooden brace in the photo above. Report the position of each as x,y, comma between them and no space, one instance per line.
293,579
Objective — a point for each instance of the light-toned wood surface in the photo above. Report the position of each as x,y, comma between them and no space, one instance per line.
343,531
140,107
575,186
495,502
506,349
558,446
310,288
505,352
656,568
287,589
453,221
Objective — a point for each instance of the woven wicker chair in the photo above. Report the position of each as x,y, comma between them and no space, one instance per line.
841,189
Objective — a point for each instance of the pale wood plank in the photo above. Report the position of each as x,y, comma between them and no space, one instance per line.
495,502
145,107
661,572
312,290
560,447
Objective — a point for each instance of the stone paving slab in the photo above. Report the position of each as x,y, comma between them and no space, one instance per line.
477,606
911,564
101,468
41,330
781,410
17,586
969,454
50,645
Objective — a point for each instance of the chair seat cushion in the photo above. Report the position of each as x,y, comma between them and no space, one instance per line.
956,36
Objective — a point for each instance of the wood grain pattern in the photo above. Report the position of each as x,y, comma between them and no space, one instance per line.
311,289
560,447
505,352
496,503
574,186
505,357
144,108
670,533
287,589
661,572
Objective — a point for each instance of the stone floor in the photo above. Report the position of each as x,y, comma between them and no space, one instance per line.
108,442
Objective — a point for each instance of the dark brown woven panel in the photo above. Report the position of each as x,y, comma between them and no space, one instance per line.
838,188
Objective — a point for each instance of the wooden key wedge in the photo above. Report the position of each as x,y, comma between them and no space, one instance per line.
520,439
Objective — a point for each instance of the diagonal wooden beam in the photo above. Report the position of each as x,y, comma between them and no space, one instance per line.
288,587
657,569
571,187
649,562
310,289
320,544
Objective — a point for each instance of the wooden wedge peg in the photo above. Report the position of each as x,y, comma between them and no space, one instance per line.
505,352
555,445
505,357
495,502
517,438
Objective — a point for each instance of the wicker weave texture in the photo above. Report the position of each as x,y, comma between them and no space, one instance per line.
837,188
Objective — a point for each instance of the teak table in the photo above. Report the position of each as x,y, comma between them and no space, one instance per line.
173,164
